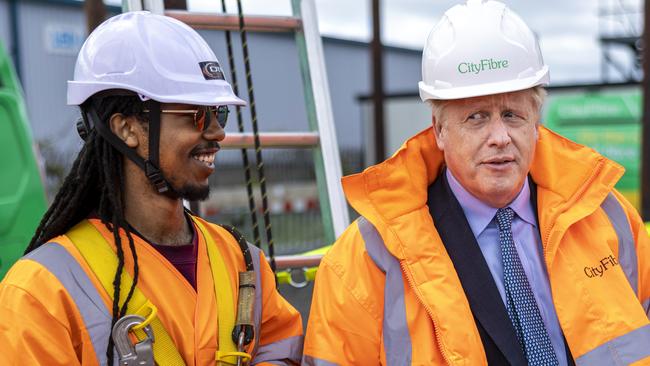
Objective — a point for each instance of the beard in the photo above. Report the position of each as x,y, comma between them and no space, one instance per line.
189,192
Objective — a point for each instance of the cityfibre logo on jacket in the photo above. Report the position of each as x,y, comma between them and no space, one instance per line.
211,70
486,64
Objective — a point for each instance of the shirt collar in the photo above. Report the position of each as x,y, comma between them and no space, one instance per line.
479,214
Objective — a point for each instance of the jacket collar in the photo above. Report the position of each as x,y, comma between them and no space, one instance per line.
480,214
398,186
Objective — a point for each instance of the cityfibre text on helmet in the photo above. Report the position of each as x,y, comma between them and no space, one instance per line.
483,65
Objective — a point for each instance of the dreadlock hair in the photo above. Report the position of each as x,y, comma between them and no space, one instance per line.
94,186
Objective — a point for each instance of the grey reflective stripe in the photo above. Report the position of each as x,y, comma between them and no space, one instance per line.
646,307
623,350
286,349
97,320
626,248
397,339
313,361
257,307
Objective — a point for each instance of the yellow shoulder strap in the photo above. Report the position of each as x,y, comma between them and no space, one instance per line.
227,351
103,262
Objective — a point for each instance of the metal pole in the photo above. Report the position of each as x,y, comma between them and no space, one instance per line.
603,47
176,4
297,261
231,22
15,38
378,83
645,126
276,140
327,160
95,14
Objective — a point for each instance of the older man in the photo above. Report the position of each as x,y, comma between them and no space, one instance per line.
486,239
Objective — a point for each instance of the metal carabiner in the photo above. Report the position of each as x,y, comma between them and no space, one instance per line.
140,354
240,346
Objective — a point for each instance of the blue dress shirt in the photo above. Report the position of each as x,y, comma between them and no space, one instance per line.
529,247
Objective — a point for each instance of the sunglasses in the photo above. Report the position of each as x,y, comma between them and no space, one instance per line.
202,118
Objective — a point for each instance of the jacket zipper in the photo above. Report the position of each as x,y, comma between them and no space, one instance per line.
429,311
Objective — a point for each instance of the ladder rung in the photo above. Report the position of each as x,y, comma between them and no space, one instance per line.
297,261
277,140
231,22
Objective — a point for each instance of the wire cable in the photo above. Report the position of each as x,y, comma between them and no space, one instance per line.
240,125
256,138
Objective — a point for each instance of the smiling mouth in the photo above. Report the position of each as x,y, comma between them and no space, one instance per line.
205,158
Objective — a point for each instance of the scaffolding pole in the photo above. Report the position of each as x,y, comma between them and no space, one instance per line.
645,125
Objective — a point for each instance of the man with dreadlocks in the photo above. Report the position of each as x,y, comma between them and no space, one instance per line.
118,270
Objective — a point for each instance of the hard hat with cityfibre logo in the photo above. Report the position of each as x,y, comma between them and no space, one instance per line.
480,48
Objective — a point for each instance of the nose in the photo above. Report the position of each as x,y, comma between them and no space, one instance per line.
214,132
499,133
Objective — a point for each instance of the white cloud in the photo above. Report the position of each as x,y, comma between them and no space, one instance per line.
571,58
568,29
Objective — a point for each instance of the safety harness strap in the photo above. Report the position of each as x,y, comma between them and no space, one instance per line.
103,261
227,352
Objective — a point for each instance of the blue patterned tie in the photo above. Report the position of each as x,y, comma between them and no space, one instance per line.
521,304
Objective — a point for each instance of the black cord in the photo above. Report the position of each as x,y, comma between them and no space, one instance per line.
240,126
256,138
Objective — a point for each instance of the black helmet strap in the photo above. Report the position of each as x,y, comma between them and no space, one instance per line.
151,166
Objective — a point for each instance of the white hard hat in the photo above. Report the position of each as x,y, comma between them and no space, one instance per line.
156,56
480,48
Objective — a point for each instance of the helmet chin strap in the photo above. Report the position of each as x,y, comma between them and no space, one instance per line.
150,166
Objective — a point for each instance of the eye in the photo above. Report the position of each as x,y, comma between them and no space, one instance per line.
477,117
512,117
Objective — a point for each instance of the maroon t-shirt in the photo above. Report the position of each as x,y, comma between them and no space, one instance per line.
183,257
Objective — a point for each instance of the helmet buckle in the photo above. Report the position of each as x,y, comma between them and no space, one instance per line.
82,129
155,177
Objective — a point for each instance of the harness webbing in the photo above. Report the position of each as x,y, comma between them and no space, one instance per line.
103,261
227,350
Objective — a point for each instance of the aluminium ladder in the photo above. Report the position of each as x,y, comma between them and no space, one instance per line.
322,137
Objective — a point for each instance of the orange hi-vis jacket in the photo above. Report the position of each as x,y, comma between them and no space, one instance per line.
54,310
387,292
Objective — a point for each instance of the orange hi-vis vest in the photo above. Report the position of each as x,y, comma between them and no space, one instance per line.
54,310
387,292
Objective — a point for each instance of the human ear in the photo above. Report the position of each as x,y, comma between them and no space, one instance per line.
438,132
126,129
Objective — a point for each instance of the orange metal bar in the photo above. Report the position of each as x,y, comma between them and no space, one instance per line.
278,140
297,261
231,22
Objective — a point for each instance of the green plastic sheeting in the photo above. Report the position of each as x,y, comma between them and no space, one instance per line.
22,196
607,121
